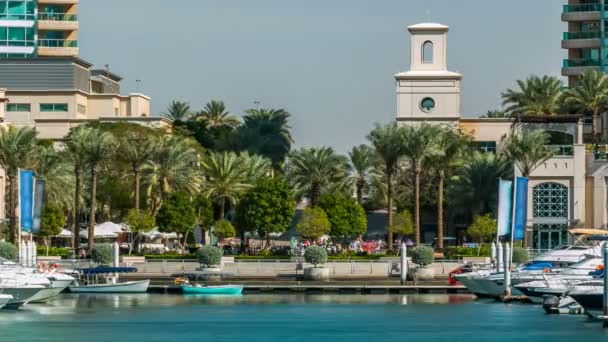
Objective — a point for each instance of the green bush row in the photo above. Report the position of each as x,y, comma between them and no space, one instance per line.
456,252
63,252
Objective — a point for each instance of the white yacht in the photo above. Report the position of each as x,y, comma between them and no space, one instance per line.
4,299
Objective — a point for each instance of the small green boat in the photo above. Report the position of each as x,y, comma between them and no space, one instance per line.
212,290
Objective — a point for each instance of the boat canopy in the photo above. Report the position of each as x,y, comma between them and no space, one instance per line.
588,231
105,270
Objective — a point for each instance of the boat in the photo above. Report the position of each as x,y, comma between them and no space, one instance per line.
4,299
561,305
212,290
20,294
91,285
590,296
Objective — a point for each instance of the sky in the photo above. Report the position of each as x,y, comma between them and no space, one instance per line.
330,63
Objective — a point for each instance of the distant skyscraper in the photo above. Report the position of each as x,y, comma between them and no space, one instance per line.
587,22
31,28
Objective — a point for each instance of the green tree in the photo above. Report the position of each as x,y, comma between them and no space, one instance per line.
446,157
204,211
17,151
97,149
8,251
346,217
314,170
589,96
389,143
403,223
226,178
495,114
223,229
215,115
139,221
535,96
75,143
177,215
483,229
313,224
177,111
363,162
51,223
53,167
267,208
267,132
420,142
527,150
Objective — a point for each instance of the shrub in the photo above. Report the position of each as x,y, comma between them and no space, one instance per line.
315,255
103,254
55,251
223,229
209,256
169,256
8,251
520,255
423,255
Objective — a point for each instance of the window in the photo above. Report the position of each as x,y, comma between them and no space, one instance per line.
53,107
427,104
487,146
550,200
81,109
18,107
427,52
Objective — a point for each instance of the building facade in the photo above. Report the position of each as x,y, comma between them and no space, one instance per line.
568,190
32,28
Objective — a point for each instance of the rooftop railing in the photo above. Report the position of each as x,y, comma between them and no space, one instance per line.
582,35
570,63
595,7
58,43
57,16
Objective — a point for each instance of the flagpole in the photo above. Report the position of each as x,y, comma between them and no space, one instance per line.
513,219
498,211
18,214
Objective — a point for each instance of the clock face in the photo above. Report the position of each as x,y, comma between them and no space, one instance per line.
427,104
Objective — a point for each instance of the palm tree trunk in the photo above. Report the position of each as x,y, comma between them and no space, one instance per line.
76,223
360,185
222,208
12,233
136,190
417,204
91,241
389,209
315,193
440,210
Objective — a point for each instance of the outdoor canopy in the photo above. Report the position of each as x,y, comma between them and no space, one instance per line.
106,230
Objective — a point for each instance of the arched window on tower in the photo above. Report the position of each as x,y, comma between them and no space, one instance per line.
427,52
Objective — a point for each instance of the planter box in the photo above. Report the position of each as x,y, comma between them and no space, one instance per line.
316,273
427,273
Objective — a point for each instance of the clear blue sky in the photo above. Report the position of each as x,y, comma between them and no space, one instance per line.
329,62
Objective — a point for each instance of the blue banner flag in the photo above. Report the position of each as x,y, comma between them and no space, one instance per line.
505,205
26,200
39,196
521,208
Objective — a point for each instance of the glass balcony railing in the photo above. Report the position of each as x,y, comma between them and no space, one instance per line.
17,43
595,7
10,16
57,17
562,150
582,35
571,63
58,43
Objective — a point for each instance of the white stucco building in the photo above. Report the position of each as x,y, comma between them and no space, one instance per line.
569,190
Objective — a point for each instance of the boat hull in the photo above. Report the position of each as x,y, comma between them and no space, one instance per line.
4,299
45,295
20,295
127,287
213,290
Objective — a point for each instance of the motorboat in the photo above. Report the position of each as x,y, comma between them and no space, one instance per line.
4,299
53,281
91,284
590,296
231,290
20,294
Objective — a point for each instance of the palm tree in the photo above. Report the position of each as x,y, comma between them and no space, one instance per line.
267,132
470,191
256,166
495,114
172,167
447,156
215,115
313,170
363,162
419,142
75,142
53,167
535,96
136,148
527,150
177,111
389,143
98,147
589,95
17,150
226,178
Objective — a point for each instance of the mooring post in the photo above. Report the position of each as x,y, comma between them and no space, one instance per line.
605,298
507,267
493,254
403,263
499,258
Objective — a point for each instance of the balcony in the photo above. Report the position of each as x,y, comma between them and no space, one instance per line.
582,12
562,150
575,67
581,40
57,2
57,47
57,21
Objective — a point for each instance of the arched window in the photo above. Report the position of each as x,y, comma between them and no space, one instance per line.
427,52
550,200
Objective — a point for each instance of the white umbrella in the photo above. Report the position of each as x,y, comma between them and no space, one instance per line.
64,234
105,230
